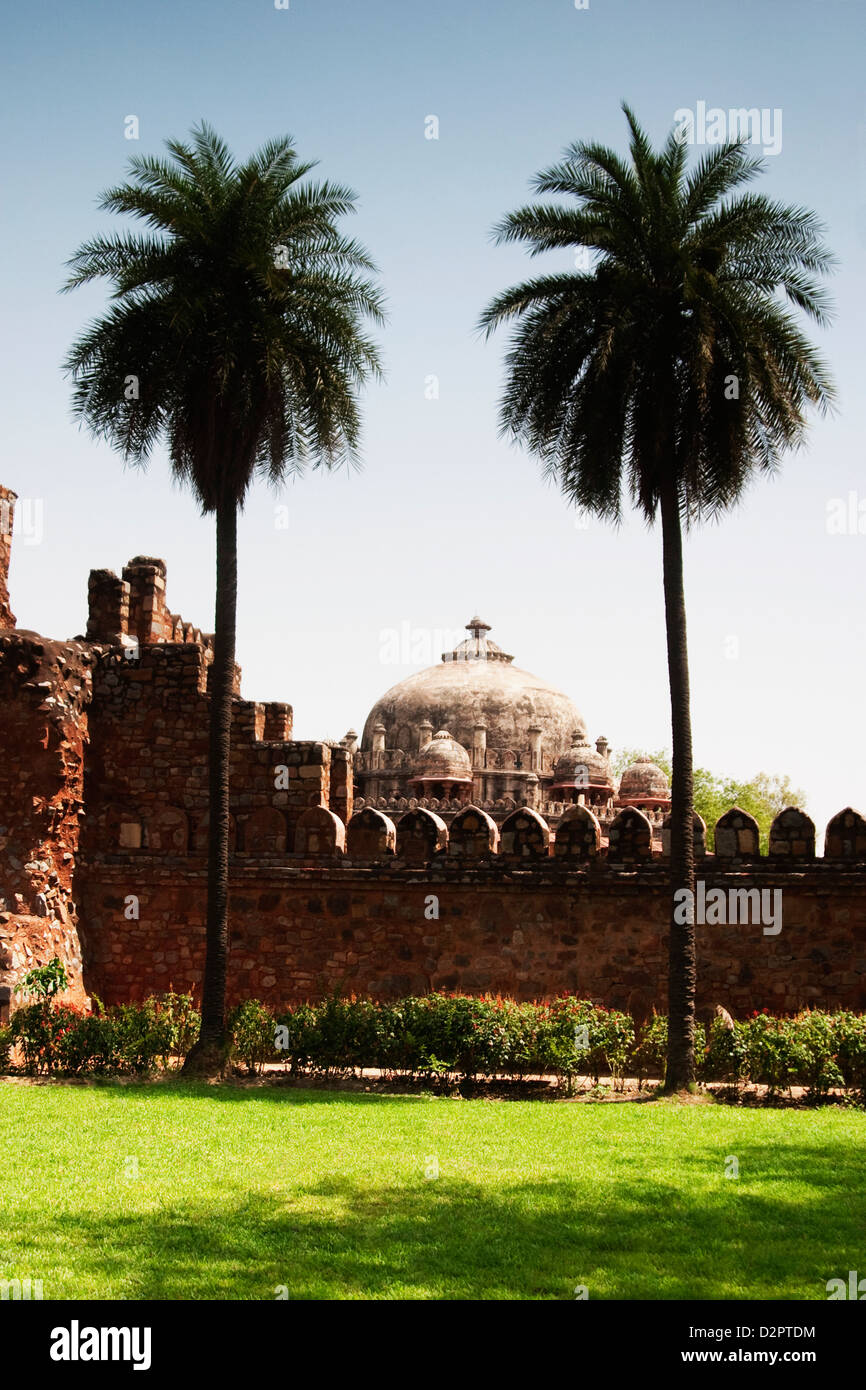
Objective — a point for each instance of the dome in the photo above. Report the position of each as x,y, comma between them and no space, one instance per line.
643,781
443,759
581,766
477,685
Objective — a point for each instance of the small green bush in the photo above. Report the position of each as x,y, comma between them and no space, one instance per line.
252,1029
849,1042
6,1041
649,1058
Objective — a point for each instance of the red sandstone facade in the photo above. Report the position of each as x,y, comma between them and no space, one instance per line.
103,788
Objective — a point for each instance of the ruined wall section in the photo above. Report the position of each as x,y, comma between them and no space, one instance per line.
45,689
146,782
7,517
133,609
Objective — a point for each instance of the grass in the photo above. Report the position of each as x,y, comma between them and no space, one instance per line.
239,1191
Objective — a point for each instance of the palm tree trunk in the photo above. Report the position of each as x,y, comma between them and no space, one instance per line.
681,952
208,1055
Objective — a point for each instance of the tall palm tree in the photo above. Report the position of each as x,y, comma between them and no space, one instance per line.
236,334
669,368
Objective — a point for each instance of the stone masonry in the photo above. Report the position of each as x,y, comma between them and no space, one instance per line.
103,831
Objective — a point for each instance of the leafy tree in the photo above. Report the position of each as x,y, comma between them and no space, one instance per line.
763,796
235,334
670,369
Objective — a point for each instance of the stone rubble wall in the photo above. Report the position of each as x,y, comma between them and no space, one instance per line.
103,822
45,688
7,519
146,784
300,932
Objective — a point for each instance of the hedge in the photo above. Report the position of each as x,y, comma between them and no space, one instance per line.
134,1038
437,1034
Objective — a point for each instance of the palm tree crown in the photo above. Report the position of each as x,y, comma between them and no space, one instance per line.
675,353
238,317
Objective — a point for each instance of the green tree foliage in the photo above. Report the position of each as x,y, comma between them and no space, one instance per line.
762,795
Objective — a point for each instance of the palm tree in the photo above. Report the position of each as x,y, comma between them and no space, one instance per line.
668,367
236,334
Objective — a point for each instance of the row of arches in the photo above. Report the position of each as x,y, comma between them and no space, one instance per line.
419,835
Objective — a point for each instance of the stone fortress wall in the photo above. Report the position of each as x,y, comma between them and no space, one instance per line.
103,790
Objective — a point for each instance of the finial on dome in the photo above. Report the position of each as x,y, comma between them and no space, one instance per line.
478,646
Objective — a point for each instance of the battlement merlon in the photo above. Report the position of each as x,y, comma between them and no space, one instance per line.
132,610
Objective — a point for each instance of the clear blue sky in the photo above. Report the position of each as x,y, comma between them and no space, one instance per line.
446,519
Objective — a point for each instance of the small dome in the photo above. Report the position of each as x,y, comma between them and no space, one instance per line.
443,759
581,766
643,781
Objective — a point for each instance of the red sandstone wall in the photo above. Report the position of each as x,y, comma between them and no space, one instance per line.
146,775
301,933
44,690
7,514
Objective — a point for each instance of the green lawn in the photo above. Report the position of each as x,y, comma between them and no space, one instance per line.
240,1191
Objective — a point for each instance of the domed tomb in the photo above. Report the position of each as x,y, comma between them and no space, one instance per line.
441,768
645,785
582,776
511,725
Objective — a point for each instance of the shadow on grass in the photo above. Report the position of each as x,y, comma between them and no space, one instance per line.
624,1235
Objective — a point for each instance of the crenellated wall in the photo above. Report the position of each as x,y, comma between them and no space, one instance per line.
103,823
386,909
146,778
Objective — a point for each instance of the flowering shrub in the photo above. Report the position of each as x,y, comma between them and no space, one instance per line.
36,1029
469,1035
849,1042
125,1038
816,1052
578,1038
726,1054
430,1035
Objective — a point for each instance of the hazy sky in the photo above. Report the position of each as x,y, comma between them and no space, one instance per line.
446,519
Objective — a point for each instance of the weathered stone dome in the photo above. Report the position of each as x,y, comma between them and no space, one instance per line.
581,766
643,781
443,759
475,685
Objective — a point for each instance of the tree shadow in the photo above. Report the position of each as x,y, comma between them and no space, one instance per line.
793,1220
